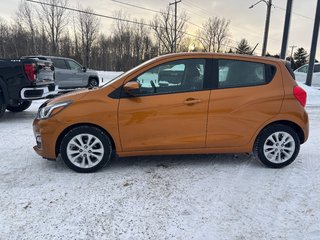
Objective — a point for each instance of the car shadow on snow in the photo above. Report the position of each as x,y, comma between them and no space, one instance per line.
146,163
177,161
10,117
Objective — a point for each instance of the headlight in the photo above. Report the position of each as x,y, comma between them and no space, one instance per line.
50,110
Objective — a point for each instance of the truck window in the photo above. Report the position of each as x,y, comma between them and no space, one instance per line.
73,65
59,63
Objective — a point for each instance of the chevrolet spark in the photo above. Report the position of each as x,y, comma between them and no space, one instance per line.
187,103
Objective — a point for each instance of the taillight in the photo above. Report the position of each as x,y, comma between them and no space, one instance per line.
30,70
300,95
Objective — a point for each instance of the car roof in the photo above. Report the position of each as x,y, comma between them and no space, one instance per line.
220,55
45,57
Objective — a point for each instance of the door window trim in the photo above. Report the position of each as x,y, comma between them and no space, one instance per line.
270,72
206,81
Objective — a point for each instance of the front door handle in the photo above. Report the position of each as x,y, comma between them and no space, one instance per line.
191,101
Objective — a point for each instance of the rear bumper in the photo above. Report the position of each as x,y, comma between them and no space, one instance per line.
33,93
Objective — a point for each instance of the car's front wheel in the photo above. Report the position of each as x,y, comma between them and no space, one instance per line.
277,146
93,83
86,149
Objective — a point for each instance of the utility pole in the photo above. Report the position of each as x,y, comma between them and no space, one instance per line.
292,47
267,24
313,45
175,22
286,30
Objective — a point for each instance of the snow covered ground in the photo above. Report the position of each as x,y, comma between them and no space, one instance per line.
166,197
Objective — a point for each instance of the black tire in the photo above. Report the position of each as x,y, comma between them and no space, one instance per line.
283,157
68,148
2,106
19,106
93,82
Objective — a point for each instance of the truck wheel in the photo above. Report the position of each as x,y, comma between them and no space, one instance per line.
2,106
19,106
93,83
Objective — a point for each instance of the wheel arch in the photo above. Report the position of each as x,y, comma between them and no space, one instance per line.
288,123
66,130
93,77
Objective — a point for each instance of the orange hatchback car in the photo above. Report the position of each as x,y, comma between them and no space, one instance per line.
188,103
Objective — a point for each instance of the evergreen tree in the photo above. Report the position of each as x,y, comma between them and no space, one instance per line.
244,47
230,51
300,57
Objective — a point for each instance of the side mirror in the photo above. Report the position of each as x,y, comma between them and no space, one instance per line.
131,88
84,69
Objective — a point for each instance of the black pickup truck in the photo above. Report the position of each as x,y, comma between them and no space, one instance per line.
22,81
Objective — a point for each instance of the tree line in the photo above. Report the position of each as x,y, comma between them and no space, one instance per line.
46,29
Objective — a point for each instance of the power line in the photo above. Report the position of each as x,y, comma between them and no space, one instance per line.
94,14
136,6
295,13
196,25
114,18
150,10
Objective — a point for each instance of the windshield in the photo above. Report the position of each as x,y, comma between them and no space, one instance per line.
128,72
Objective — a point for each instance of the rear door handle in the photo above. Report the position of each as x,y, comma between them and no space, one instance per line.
191,101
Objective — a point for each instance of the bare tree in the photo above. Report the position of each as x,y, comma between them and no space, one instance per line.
4,37
88,28
54,19
222,32
214,34
26,16
164,27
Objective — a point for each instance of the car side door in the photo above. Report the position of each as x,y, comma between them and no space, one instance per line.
78,76
62,72
246,95
170,114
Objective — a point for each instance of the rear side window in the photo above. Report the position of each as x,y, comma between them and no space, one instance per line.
59,63
316,68
234,73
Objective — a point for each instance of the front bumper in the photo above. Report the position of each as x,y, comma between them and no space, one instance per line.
46,134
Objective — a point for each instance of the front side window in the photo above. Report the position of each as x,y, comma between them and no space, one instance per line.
234,73
73,65
177,76
303,69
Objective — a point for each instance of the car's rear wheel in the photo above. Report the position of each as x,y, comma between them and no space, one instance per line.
86,149
19,106
93,83
277,146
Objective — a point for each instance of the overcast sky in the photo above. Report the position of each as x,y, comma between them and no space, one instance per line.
245,23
